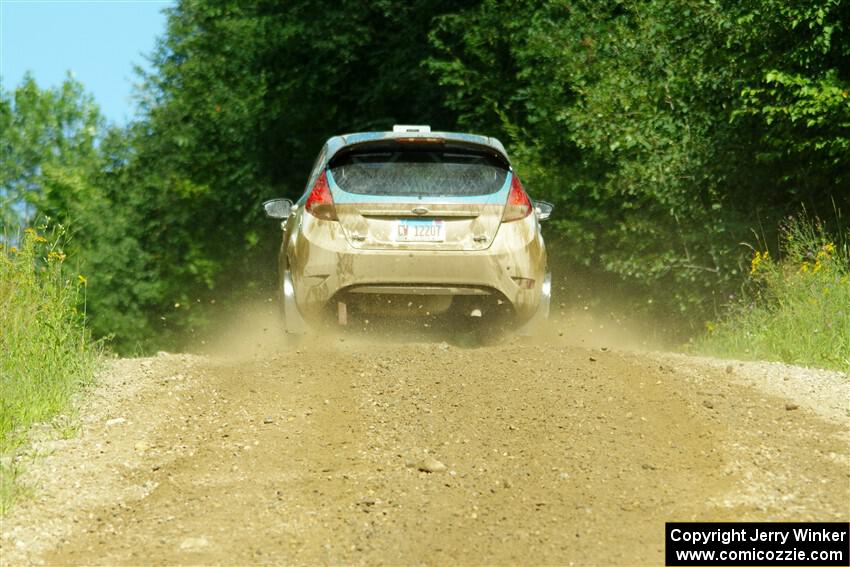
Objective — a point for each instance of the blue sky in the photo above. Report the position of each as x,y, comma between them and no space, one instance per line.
98,40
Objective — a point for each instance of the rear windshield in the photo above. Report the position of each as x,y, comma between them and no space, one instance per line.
440,172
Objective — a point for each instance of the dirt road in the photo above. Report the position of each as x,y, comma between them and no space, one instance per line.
553,454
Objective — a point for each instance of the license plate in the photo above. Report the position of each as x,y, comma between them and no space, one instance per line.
410,230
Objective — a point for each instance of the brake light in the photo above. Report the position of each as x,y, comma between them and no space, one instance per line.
320,202
518,205
418,140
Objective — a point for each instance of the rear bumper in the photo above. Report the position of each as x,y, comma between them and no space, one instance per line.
323,264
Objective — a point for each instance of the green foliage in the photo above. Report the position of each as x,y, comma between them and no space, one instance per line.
60,161
42,130
45,349
664,132
795,310
800,93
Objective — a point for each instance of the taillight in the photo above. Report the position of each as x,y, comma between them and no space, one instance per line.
518,205
320,202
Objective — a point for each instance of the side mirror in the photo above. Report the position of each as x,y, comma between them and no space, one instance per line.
278,208
543,210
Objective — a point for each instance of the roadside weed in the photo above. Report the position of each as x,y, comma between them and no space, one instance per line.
795,309
46,352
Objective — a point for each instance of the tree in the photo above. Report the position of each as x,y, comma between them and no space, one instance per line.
665,131
43,131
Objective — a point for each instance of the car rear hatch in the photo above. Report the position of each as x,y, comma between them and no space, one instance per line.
434,195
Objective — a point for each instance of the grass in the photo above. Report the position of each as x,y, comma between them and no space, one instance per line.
795,308
46,353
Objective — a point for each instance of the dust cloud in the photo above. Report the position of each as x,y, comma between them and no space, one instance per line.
255,329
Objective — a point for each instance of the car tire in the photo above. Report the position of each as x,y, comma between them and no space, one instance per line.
534,325
293,322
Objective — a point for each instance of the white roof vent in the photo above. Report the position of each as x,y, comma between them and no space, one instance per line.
409,128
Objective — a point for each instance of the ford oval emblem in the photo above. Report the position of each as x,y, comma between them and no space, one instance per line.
419,211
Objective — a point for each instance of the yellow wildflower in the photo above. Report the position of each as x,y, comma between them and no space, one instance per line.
816,267
757,260
40,239
825,253
13,250
29,231
805,267
82,279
